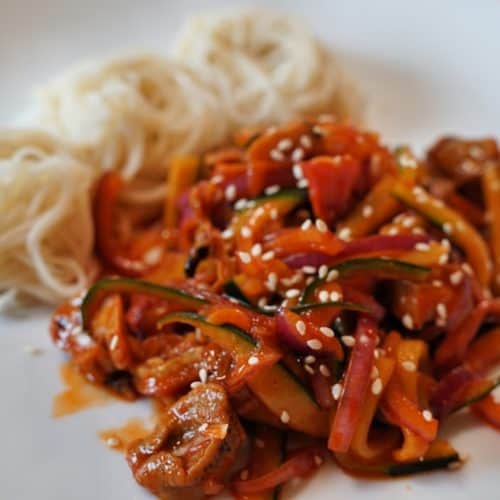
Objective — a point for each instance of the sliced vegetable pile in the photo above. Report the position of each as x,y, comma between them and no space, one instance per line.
306,292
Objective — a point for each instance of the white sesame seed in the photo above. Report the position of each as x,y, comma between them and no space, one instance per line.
336,391
285,144
417,230
273,214
300,327
333,274
202,374
309,369
253,360
306,225
285,417
441,310
256,250
227,234
297,155
276,155
422,247
241,204
244,257
303,183
377,386
437,283
244,475
447,228
418,191
310,359
409,366
323,296
321,225
272,281
309,269
153,255
259,443
322,271
427,415
407,321
259,211
113,343
323,369
268,256
203,427
230,192
443,259
335,296
195,384
392,231
217,179
326,331
314,344
292,293
408,221
348,340
309,280
305,141
262,302
345,234
297,171
246,232
272,189
467,268
367,211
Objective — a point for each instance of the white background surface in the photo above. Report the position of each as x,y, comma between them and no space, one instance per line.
424,68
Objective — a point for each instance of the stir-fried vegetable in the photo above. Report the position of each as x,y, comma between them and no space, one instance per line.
306,292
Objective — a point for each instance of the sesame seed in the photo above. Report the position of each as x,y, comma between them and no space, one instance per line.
303,183
227,234
408,222
427,415
443,259
441,310
297,171
153,255
447,228
241,204
326,331
437,283
202,374
407,321
309,280
345,234
310,359
306,225
285,417
333,274
268,256
246,232
272,189
305,141
297,154
422,247
273,214
336,391
114,342
467,268
322,271
195,384
321,225
323,296
256,249
323,369
318,130
259,211
262,302
348,340
203,427
292,293
417,230
367,211
259,443
217,179
335,296
300,327
318,460
409,366
285,144
308,369
244,475
276,155
253,360
230,192
272,281
309,269
314,344
392,231
377,386
244,257
418,191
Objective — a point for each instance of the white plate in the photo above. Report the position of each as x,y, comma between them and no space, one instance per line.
425,68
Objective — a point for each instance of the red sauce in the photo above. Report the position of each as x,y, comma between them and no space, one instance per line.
120,438
78,394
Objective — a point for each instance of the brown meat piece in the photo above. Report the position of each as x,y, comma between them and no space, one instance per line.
194,449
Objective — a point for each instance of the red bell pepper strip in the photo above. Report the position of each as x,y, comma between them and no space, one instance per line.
357,379
484,353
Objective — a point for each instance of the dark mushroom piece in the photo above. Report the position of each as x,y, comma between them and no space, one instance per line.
193,450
